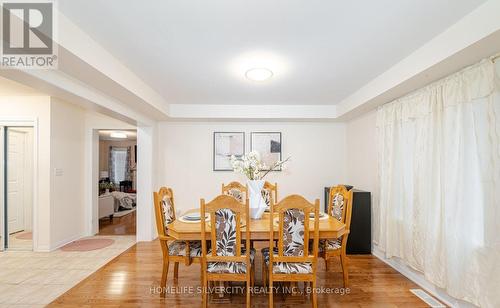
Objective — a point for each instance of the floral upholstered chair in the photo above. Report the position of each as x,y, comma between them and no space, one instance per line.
228,260
340,207
235,190
270,193
173,250
293,259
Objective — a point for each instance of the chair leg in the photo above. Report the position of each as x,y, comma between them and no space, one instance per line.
314,294
264,274
252,276
270,292
164,275
204,289
345,270
176,272
248,290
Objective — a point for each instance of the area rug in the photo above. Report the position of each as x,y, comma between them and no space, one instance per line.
25,236
88,244
123,213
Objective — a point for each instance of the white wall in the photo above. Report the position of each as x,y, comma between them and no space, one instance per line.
37,109
59,136
362,168
67,173
186,156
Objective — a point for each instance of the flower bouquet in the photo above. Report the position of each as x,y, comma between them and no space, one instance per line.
255,170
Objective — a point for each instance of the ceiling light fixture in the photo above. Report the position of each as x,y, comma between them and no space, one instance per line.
259,74
118,135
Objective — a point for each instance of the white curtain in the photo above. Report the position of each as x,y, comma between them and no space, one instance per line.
119,164
439,166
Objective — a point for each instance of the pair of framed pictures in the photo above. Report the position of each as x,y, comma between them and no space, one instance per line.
226,144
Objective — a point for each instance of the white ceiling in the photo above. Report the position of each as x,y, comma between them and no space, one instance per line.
196,52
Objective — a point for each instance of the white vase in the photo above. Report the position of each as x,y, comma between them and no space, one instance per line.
257,203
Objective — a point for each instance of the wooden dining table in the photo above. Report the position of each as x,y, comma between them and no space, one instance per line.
259,228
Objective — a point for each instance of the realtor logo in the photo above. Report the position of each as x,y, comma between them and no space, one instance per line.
27,35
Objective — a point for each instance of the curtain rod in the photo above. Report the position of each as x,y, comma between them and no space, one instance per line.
494,58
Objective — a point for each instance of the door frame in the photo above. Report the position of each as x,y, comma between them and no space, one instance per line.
23,122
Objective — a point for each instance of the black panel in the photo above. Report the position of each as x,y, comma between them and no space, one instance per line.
360,238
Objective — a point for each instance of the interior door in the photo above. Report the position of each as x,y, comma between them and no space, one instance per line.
16,144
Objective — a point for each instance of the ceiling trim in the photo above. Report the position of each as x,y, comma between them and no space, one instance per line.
196,111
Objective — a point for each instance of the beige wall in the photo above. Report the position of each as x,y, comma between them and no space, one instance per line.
185,158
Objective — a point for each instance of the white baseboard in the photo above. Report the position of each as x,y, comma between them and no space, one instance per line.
419,279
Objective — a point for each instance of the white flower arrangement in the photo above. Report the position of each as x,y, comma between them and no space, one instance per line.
252,166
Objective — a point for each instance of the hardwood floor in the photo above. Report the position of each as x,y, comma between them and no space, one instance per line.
119,225
129,279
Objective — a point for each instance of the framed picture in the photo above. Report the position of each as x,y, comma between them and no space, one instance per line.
227,144
268,144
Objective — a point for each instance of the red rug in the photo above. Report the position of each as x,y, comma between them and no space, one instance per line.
88,244
25,236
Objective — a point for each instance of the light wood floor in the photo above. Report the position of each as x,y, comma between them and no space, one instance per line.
119,225
127,281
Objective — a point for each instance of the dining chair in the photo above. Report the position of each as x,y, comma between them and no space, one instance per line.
340,207
292,260
270,193
235,190
173,250
228,260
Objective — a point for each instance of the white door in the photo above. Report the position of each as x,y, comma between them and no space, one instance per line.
16,145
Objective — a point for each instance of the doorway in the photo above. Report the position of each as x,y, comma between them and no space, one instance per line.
17,173
117,182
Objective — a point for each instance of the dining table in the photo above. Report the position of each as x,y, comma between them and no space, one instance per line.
329,228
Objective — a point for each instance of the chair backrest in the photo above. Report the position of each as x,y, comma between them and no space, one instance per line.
340,204
226,215
164,210
235,190
270,193
293,229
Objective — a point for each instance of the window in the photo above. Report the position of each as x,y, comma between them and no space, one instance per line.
119,159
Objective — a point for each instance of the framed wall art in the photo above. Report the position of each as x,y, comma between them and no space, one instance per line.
268,144
225,145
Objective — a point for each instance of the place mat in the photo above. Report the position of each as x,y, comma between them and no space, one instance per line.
322,216
193,218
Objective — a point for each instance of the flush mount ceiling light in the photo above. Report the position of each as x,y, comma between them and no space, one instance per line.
118,135
259,74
